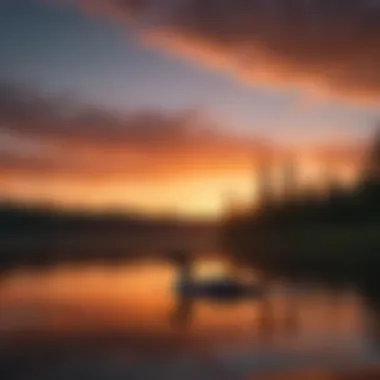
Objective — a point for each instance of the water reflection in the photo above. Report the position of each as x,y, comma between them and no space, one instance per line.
266,320
111,311
182,313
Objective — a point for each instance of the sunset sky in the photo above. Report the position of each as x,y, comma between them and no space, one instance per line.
167,105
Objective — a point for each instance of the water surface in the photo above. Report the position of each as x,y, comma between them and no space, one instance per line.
125,321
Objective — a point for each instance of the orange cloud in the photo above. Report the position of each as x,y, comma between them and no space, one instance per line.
42,134
148,159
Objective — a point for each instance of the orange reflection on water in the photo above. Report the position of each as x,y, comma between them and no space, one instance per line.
140,298
68,299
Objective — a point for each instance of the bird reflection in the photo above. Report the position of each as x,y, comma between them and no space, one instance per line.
182,313
265,322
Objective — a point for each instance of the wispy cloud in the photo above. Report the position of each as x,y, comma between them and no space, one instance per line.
325,46
78,140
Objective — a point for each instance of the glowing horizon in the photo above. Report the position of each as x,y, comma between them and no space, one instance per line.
192,198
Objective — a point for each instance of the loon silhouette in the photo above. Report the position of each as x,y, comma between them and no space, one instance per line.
218,288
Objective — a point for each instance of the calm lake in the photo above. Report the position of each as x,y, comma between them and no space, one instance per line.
126,322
